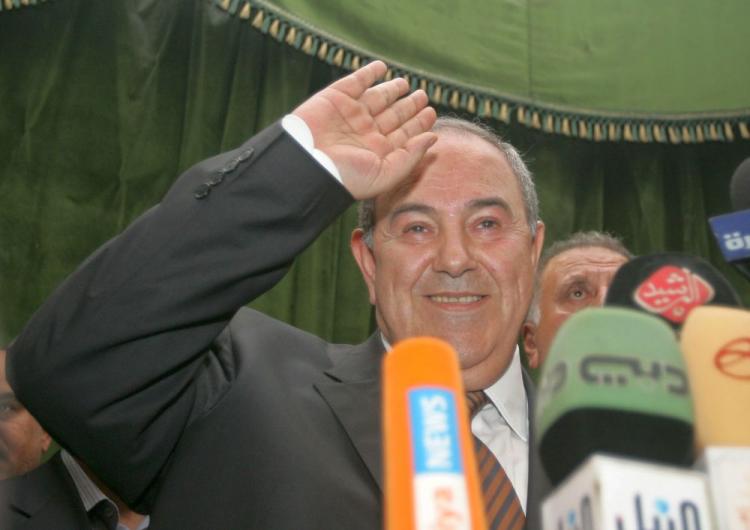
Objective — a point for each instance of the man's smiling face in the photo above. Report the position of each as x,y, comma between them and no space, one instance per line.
453,255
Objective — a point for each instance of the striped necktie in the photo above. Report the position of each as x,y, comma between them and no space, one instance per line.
503,509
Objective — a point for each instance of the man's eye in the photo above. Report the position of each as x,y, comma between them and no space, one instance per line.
6,409
488,223
417,229
578,294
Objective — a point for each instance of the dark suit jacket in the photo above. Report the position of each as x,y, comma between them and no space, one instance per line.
43,499
202,422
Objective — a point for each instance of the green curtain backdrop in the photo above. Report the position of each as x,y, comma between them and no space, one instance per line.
103,104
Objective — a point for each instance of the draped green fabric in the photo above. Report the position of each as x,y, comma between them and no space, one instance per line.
103,104
669,71
639,56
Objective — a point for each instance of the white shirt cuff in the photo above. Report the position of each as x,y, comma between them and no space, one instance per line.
299,130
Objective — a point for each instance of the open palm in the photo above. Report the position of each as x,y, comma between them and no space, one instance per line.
374,135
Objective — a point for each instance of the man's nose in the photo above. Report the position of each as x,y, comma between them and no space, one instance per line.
455,255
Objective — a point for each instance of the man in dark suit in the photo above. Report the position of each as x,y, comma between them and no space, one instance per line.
43,498
61,493
210,417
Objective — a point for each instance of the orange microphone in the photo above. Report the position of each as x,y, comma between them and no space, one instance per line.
431,479
715,342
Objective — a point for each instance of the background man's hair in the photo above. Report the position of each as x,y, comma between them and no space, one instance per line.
366,212
588,239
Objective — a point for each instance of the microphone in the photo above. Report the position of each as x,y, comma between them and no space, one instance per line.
732,231
716,346
728,470
669,285
431,479
614,382
613,493
739,186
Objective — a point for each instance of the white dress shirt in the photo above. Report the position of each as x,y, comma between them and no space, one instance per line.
503,426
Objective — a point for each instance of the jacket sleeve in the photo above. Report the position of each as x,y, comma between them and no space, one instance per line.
108,363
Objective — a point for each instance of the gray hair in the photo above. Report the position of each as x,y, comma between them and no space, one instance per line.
592,238
366,210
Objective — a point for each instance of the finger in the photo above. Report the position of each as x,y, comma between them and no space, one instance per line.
422,122
400,112
400,163
382,96
355,84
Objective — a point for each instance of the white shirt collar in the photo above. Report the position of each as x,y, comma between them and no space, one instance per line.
508,394
90,494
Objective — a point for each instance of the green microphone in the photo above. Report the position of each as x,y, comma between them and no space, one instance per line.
614,382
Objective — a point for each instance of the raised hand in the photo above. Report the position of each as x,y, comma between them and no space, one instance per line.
373,134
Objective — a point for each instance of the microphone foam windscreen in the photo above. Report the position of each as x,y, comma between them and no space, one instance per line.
613,382
669,285
715,342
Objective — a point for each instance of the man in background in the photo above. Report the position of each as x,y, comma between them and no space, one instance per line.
62,493
23,442
573,274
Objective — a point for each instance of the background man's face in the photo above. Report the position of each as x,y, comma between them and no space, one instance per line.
453,256
571,281
22,439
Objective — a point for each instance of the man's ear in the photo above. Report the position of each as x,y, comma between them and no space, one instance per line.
365,259
528,331
538,243
46,442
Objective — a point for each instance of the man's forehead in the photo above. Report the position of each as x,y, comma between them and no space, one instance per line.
468,206
462,169
584,259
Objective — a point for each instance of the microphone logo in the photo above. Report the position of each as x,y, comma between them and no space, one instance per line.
439,486
732,234
672,292
734,241
687,516
733,359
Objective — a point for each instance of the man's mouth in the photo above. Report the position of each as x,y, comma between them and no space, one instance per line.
465,299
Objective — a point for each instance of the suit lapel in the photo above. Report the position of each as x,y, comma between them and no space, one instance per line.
48,498
353,394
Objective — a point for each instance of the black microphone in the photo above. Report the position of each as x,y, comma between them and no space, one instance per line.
732,231
739,187
669,286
